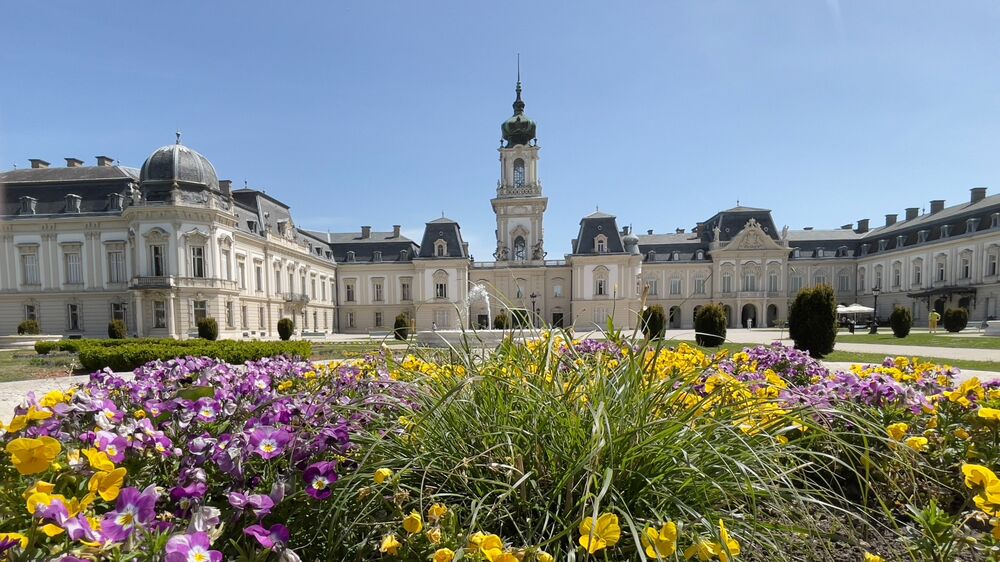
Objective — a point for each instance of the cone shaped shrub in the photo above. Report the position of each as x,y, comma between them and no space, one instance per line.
653,322
401,327
901,320
28,328
812,320
710,325
208,329
285,328
117,330
955,319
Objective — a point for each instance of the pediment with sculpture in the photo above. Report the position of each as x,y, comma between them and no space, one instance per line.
752,238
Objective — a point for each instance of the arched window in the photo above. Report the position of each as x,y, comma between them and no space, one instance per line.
518,173
440,284
440,248
601,281
520,251
601,244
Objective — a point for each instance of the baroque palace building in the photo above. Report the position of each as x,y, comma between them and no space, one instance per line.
164,245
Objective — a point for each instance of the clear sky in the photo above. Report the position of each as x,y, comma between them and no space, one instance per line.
376,112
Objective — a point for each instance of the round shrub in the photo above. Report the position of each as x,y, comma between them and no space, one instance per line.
955,319
28,328
653,322
812,320
501,322
900,320
208,329
117,330
401,327
710,325
44,347
286,326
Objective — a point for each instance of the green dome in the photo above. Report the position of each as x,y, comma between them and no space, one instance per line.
519,129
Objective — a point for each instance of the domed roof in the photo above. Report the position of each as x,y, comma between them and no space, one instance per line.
519,129
178,163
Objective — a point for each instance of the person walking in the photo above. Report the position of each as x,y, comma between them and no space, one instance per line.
932,320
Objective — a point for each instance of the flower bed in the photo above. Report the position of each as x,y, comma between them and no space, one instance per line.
601,450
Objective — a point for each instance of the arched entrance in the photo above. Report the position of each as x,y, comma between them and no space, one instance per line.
729,315
772,315
675,317
748,317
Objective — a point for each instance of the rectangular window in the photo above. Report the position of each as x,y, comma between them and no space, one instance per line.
29,268
557,291
291,282
378,319
991,266
277,282
795,283
243,317
200,309
699,286
843,283
378,291
350,319
116,266
404,290
749,282
322,290
312,289
198,261
917,274
441,318
326,320
820,280
73,317
119,311
727,283
897,277
441,290
30,312
159,314
157,261
601,287
940,271
74,268
966,268
261,318
227,265
229,314
241,274
675,286
349,291
772,282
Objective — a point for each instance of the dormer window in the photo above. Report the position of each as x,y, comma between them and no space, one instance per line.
864,249
945,230
995,220
699,255
882,245
900,241
796,253
28,205
116,202
329,254
404,255
252,226
601,244
651,256
349,257
72,203
440,248
282,227
921,236
971,225
842,251
675,256
377,256
819,252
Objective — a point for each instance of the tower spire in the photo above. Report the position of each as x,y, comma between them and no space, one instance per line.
518,103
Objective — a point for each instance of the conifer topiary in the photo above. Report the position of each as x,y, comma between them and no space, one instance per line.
286,326
653,322
710,325
401,327
812,320
955,319
900,320
208,329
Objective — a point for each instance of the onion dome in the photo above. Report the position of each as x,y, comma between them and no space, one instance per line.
178,164
519,129
630,241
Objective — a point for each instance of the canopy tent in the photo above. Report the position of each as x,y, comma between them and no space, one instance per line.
854,309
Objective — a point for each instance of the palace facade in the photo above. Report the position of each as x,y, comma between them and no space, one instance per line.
166,244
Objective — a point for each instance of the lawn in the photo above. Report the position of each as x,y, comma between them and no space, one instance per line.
885,337
26,364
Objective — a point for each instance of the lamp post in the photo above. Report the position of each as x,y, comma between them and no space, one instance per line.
875,291
533,296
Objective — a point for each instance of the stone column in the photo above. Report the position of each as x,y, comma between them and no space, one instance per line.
138,313
172,316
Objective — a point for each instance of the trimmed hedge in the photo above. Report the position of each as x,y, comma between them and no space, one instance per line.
44,347
126,355
710,325
901,320
812,320
28,328
955,319
401,327
208,329
117,330
653,322
286,327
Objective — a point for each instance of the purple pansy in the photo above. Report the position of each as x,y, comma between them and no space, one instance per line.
192,547
319,477
258,503
134,509
269,442
269,538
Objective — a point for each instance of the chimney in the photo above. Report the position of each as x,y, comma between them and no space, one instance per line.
978,194
226,186
38,163
74,163
890,219
846,226
395,230
679,231
366,232
937,205
105,161
912,212
862,225
649,232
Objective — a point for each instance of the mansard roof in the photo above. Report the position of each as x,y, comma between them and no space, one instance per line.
731,221
447,230
61,175
389,244
593,225
50,186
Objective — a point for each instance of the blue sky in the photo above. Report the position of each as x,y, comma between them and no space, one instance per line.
662,113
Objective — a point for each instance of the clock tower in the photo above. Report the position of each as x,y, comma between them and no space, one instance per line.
519,204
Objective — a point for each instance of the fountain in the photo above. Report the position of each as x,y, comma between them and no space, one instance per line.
479,294
473,337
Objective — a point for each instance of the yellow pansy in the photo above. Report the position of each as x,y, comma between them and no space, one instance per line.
505,557
107,484
39,486
443,555
10,537
869,557
918,444
897,430
491,546
977,475
20,422
705,550
961,433
31,456
382,474
434,535
390,545
601,534
52,530
436,512
413,523
54,397
989,414
98,460
660,543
